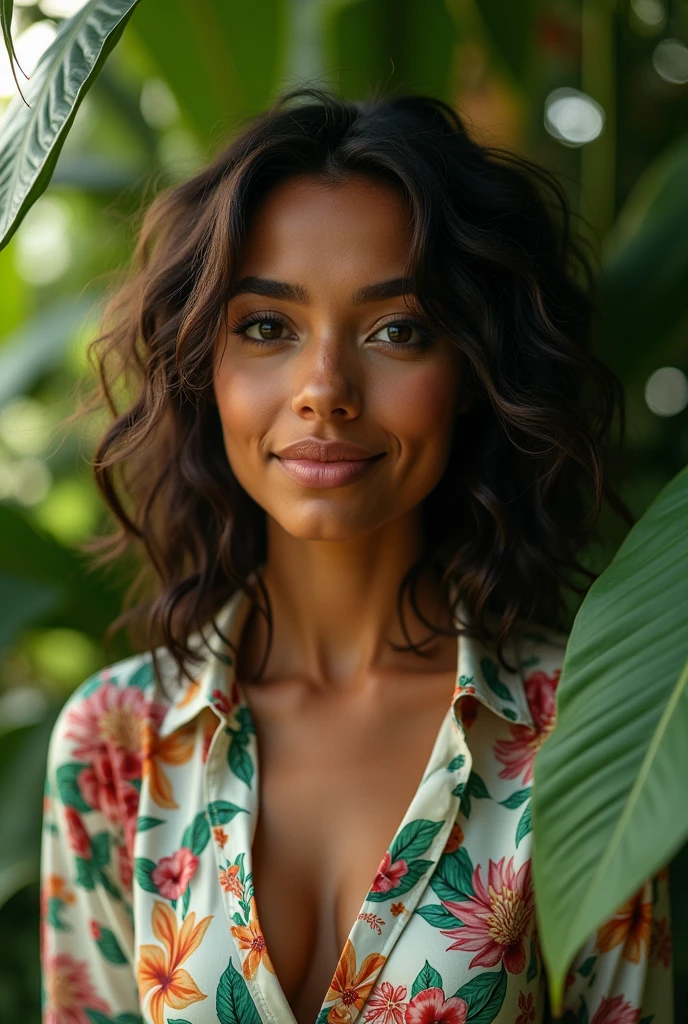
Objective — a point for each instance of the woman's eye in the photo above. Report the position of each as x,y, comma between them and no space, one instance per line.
265,330
401,333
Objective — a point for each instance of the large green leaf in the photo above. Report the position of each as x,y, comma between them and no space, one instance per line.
609,800
643,292
31,136
391,45
22,778
82,598
37,348
220,58
6,9
511,29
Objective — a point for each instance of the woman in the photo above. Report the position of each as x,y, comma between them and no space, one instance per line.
357,436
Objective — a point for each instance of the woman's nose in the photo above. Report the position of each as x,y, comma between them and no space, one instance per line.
327,380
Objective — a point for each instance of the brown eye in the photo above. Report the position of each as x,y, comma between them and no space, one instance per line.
268,330
399,332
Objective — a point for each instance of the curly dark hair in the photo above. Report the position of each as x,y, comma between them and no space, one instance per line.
496,267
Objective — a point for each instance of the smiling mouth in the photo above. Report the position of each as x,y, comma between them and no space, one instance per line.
314,473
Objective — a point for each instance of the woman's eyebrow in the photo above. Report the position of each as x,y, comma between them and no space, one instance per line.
296,293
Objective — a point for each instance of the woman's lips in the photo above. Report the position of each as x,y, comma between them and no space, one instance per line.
313,473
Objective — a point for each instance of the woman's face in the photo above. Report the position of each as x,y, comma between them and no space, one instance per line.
322,347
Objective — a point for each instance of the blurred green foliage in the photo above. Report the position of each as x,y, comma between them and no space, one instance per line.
182,77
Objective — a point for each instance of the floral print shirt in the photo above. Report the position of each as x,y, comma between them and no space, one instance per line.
148,908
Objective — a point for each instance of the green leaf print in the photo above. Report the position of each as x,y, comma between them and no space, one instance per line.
142,870
84,873
436,915
452,878
221,812
96,1017
100,849
587,966
186,899
475,787
245,721
68,787
456,763
197,834
239,759
484,995
233,1002
427,977
414,839
52,914
109,946
142,677
525,824
145,822
490,671
514,801
416,869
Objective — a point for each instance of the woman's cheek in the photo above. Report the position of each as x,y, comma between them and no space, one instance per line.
422,406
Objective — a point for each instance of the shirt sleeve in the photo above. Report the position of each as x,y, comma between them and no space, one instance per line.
87,934
624,973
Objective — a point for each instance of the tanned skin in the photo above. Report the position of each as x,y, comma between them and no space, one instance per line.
345,725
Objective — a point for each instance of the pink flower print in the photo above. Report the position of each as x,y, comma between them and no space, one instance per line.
77,836
126,868
68,991
518,753
173,874
222,702
389,874
615,1011
430,1007
495,919
112,722
386,1004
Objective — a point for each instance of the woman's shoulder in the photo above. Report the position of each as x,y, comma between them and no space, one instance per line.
115,709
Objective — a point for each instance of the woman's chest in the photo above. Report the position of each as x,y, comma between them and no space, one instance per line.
444,932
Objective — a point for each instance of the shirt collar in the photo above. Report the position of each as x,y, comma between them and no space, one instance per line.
478,673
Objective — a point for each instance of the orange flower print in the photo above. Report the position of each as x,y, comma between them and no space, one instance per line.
397,908
159,969
631,925
350,988
192,690
174,750
454,839
68,990
55,888
220,836
230,881
251,938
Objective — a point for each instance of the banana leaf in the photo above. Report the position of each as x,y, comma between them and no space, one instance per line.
609,805
33,130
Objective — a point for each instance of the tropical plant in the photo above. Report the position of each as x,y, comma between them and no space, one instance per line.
609,807
217,63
